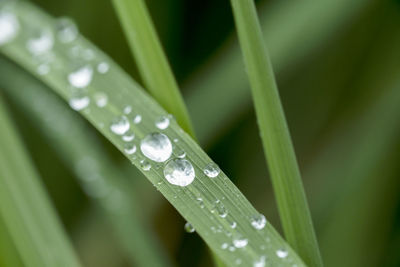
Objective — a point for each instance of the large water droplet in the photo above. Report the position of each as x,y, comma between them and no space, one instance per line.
120,125
9,27
101,99
211,170
81,77
162,122
156,146
240,242
282,253
79,101
258,221
189,228
41,43
179,172
66,30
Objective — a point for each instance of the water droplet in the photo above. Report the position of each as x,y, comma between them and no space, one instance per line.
43,69
9,27
130,149
220,208
232,248
156,146
189,228
282,253
81,77
127,109
179,152
258,221
120,125
145,165
233,224
224,245
200,202
162,122
211,170
88,54
137,119
66,30
260,262
101,99
240,242
129,136
41,43
103,67
179,172
79,101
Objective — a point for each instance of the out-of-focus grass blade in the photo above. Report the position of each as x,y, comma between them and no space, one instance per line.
99,177
152,62
278,148
8,252
218,211
25,207
222,82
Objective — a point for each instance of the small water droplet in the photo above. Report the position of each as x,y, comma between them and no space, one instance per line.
200,202
130,149
145,165
260,262
79,101
120,125
233,224
240,242
129,136
43,69
41,43
81,77
179,172
127,109
9,27
220,209
103,67
189,228
162,122
232,248
282,253
211,170
179,152
137,119
101,99
88,54
156,146
224,245
66,30
258,221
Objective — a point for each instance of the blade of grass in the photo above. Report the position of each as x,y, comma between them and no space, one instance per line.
278,148
78,147
210,205
153,64
25,207
8,252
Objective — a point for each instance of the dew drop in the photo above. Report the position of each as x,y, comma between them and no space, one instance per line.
282,253
189,228
130,149
211,170
233,224
162,122
240,242
103,67
129,136
156,146
41,43
179,152
81,77
220,209
145,165
200,202
79,101
9,27
224,245
101,99
127,109
137,119
120,125
260,262
258,221
179,172
66,30
43,69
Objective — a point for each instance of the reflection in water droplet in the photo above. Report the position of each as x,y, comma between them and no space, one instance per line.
156,146
101,99
179,172
41,43
258,221
103,67
189,228
9,27
162,122
282,253
120,125
66,30
130,149
81,77
211,170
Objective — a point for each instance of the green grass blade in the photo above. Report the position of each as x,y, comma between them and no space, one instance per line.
285,174
25,207
79,146
210,205
152,62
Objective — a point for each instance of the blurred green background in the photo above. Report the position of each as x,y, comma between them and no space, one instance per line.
338,69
